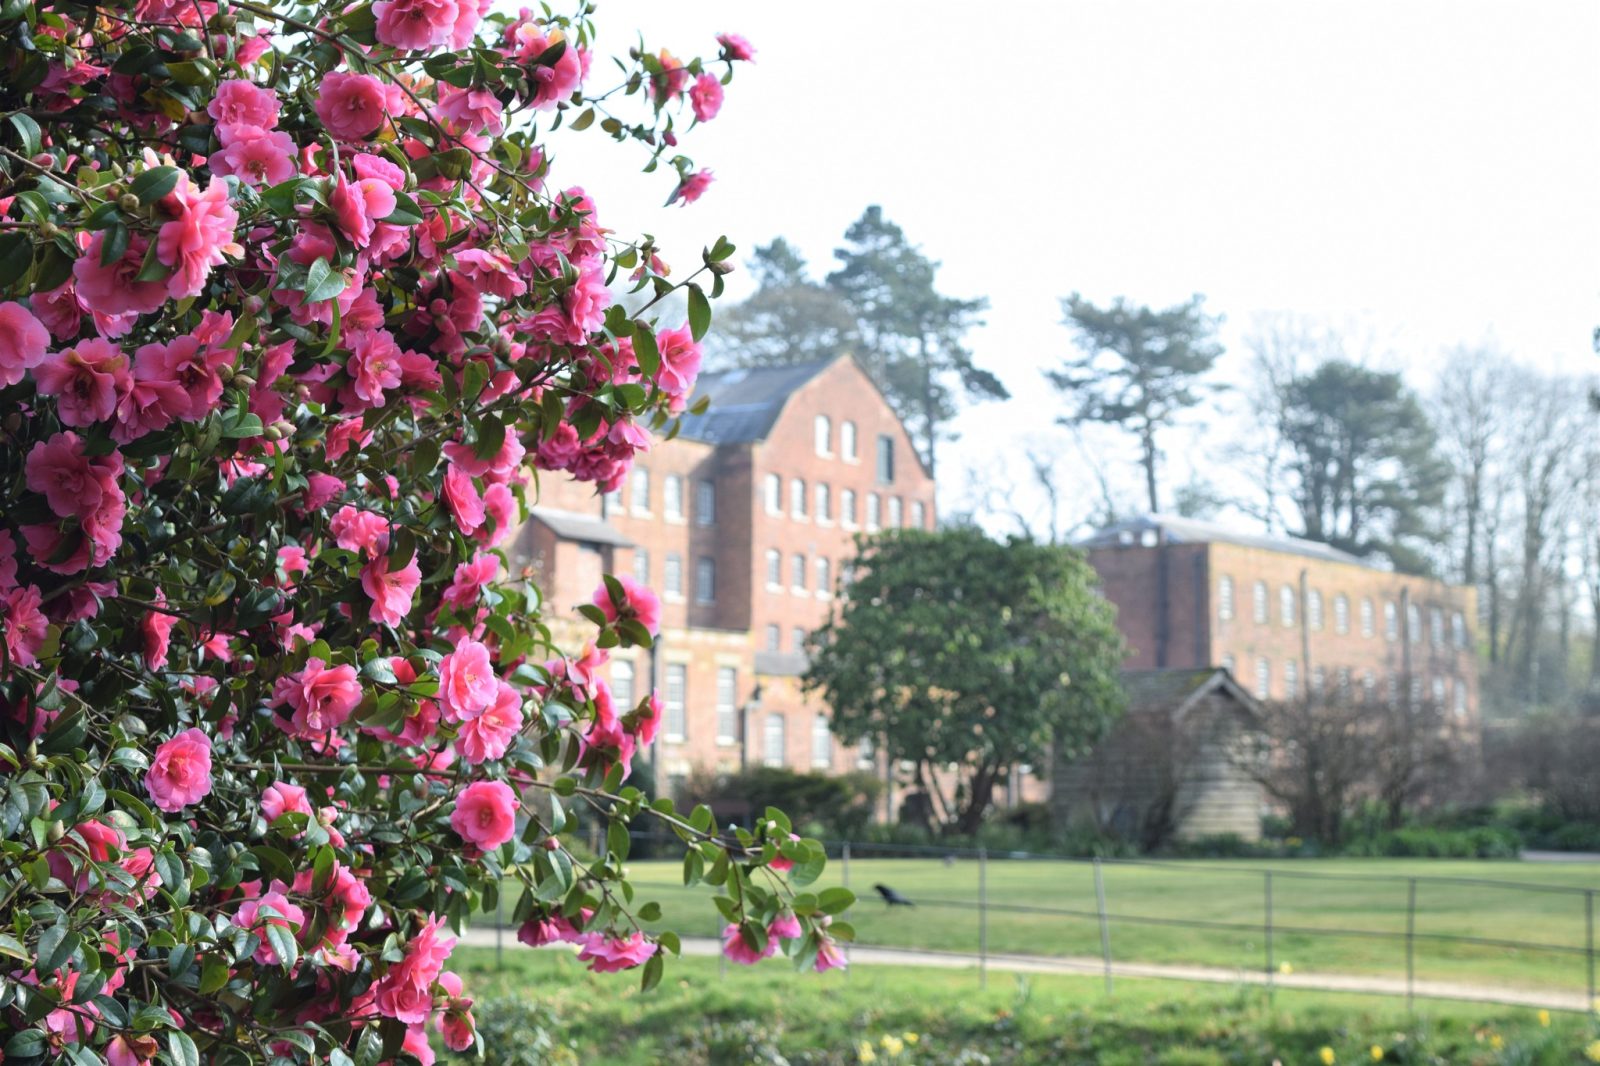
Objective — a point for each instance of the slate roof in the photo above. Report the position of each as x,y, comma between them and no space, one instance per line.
1193,531
746,402
570,525
1175,691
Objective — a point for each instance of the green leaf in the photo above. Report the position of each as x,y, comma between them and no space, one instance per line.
283,944
653,969
699,312
323,282
646,351
16,256
585,120
213,974
835,900
182,1049
405,213
28,130
155,183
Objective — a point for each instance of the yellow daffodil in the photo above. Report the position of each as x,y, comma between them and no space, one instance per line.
1497,1041
1544,1018
1285,968
893,1045
865,1054
1327,1057
1377,1053
1592,1052
911,1038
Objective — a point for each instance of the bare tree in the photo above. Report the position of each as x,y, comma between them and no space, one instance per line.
1280,347
1470,410
1140,782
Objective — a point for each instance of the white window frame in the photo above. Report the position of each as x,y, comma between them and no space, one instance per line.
822,436
705,580
772,494
705,502
1225,598
848,442
769,756
672,501
675,707
727,705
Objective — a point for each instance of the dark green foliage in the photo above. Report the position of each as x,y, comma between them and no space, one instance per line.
955,649
788,319
826,805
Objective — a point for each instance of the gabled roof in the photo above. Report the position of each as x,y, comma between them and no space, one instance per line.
1131,532
746,402
570,525
1176,692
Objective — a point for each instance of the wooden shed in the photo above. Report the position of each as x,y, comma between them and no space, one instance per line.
1173,768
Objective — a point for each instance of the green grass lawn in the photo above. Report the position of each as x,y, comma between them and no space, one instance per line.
1307,913
768,1014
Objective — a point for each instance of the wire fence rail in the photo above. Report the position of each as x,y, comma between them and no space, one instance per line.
1167,918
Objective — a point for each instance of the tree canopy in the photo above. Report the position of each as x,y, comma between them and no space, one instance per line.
953,648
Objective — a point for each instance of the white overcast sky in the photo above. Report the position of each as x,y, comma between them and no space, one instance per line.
1425,170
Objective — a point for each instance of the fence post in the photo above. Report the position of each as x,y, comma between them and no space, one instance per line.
1105,923
1411,942
844,864
1588,921
499,923
983,917
1272,968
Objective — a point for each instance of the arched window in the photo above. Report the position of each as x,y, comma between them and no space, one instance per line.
1263,679
847,507
1341,614
1224,598
1286,605
824,502
773,493
797,573
1314,609
824,435
797,498
824,581
1369,624
847,440
1259,601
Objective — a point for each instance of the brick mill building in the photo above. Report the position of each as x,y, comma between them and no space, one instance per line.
743,524
1288,618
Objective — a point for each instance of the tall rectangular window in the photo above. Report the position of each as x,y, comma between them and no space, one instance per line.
823,431
772,493
1263,679
874,511
1314,609
798,635
1461,698
1291,679
772,753
774,637
1458,628
865,757
1224,598
1259,601
641,566
797,498
824,581
1286,599
705,502
847,440
672,575
824,503
705,580
613,501
885,459
896,512
622,684
672,497
1436,626
727,705
1391,621
774,568
1414,623
797,573
919,515
821,741
847,507
1369,624
1341,614
676,725
641,490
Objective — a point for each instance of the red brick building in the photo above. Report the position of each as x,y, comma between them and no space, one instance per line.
1287,617
743,524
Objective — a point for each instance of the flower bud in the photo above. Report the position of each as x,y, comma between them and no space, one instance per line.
128,202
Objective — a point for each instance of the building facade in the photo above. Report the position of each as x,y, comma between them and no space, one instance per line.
744,524
1288,618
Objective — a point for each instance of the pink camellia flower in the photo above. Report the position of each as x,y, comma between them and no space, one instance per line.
86,380
352,106
468,14
405,992
501,508
24,623
706,97
467,681
132,1049
462,497
781,864
256,156
472,110
736,47
153,400
156,628
375,359
647,720
638,604
112,290
281,798
555,82
672,80
829,955
692,187
737,950
455,1022
680,363
785,927
23,342
240,103
415,24
612,954
199,237
180,774
285,915
489,734
356,530
536,932
322,489
357,206
71,483
321,696
485,814
391,590
469,580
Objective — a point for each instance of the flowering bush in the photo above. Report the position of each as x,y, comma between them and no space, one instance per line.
291,308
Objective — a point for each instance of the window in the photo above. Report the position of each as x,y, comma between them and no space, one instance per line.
1291,679
1224,598
1369,687
847,440
1391,689
613,501
1341,614
1461,699
885,459
705,580
824,435
1314,609
798,635
1458,628
727,705
672,575
641,566
622,684
1413,623
821,741
1416,691
1259,596
641,490
865,757
772,741
824,577
672,497
797,498
874,511
1228,663
847,507
1436,626
1391,621
1368,623
824,504
774,568
705,502
1438,691
1263,679
1286,605
1319,681
774,638
1343,681
772,492
797,572
896,512
919,514
677,713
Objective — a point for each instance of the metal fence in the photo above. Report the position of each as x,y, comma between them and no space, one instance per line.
1493,940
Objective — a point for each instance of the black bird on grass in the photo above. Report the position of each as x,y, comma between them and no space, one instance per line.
893,898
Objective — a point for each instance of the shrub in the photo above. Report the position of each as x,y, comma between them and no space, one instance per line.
838,805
